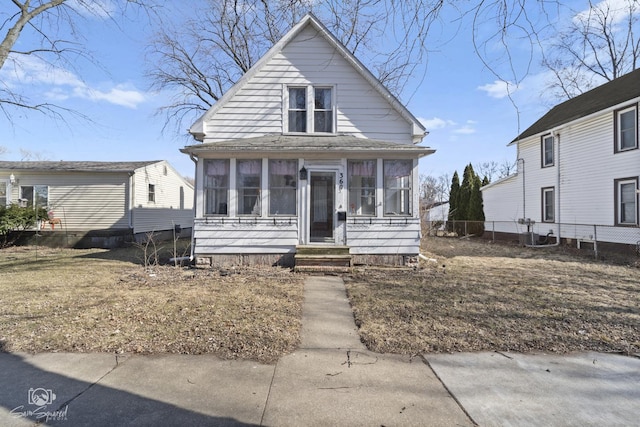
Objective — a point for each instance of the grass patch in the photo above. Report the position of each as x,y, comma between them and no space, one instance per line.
480,296
104,301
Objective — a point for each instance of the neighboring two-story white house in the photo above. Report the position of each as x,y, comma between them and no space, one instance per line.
307,148
578,167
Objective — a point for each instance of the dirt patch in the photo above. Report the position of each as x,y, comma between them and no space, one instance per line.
104,301
478,296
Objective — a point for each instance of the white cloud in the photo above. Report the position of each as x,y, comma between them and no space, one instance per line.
62,84
435,123
500,89
467,129
100,9
615,10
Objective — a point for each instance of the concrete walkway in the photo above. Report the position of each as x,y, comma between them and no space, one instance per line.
330,380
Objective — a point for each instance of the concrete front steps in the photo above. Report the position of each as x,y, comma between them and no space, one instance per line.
322,259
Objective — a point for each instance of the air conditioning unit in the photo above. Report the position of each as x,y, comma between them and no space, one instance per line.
527,239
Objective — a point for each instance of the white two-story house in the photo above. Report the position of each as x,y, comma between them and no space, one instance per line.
308,148
578,170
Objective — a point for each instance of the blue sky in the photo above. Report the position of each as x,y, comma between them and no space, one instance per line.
461,103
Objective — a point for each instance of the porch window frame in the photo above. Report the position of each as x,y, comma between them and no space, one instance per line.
223,186
405,189
284,188
256,210
356,205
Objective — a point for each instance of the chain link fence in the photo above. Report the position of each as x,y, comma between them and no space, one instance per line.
601,239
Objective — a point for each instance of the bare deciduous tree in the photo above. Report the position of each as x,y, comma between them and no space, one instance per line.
56,40
600,44
487,169
506,168
434,189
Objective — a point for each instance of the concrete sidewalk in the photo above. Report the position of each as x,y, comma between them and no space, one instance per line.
330,380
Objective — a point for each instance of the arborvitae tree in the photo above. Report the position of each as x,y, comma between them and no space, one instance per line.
465,202
454,194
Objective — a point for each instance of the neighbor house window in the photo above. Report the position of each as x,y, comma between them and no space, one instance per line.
248,184
548,204
310,109
216,186
547,151
34,196
282,187
397,187
626,129
152,193
361,175
626,201
3,194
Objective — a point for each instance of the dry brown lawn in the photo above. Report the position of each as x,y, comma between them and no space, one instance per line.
100,301
485,296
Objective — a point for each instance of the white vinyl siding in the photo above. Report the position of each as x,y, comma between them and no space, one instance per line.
257,108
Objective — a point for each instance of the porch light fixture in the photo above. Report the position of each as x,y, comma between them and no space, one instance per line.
303,174
12,179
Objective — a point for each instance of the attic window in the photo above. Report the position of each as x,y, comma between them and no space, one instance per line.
310,109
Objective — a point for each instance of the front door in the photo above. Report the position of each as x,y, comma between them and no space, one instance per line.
321,215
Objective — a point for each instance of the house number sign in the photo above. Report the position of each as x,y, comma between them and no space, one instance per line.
341,181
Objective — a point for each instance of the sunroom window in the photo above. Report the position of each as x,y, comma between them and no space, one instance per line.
397,187
216,186
249,173
282,187
361,175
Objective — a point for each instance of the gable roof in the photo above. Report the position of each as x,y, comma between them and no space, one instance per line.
607,95
331,144
197,129
123,167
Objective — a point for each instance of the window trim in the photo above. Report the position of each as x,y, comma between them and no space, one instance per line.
310,108
239,188
350,188
617,131
408,188
543,216
33,202
617,207
205,188
543,146
270,165
151,193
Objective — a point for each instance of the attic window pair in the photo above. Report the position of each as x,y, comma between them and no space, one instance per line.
310,109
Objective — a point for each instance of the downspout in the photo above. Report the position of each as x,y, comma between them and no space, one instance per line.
195,188
132,192
556,136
